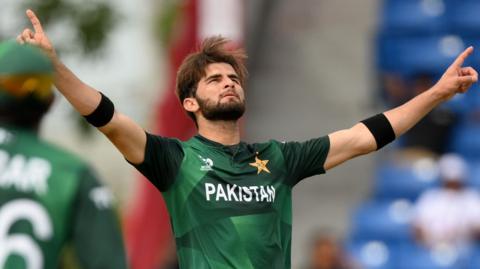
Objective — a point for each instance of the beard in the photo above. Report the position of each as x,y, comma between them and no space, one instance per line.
228,111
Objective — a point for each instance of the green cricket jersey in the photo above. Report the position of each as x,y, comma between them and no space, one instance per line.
231,206
49,200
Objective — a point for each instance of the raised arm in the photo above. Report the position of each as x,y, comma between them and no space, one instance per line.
125,134
359,140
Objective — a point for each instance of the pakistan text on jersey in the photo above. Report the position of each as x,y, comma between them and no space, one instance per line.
220,192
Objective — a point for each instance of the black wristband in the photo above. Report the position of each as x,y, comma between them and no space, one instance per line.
381,129
103,114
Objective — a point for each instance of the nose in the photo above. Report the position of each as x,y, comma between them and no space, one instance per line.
229,83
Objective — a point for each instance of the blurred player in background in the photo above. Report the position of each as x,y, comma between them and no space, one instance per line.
327,253
231,202
449,214
50,200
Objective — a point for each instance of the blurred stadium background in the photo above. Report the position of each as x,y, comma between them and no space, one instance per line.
316,66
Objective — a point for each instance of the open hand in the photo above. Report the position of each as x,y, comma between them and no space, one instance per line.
457,79
37,37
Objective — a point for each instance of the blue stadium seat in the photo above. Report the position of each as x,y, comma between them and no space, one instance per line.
424,54
463,104
385,221
414,256
463,16
373,254
475,42
402,180
407,17
465,140
474,259
473,179
467,106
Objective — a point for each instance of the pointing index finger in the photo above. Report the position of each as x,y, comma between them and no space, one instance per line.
462,57
37,26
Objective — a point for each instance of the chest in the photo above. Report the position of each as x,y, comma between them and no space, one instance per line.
213,180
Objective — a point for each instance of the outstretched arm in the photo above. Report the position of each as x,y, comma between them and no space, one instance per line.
125,134
358,140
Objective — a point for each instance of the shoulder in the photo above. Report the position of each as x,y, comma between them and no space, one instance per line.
275,143
314,143
37,151
61,156
270,146
267,144
163,139
164,144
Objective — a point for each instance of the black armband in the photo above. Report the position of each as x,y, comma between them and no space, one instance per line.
103,114
381,129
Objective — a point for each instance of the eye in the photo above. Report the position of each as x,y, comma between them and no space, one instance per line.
213,80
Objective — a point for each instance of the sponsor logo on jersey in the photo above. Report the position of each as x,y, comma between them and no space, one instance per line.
207,164
229,192
24,174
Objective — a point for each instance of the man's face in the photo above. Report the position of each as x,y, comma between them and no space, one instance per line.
219,94
454,185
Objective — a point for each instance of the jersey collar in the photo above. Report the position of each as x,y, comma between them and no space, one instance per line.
213,143
227,148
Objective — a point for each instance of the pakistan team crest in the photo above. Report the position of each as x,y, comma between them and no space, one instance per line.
261,165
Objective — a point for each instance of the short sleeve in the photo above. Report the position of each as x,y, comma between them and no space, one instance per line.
162,160
305,159
96,234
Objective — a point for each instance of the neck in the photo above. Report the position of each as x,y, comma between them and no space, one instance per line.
223,132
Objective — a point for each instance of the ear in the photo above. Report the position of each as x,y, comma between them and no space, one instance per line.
190,104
